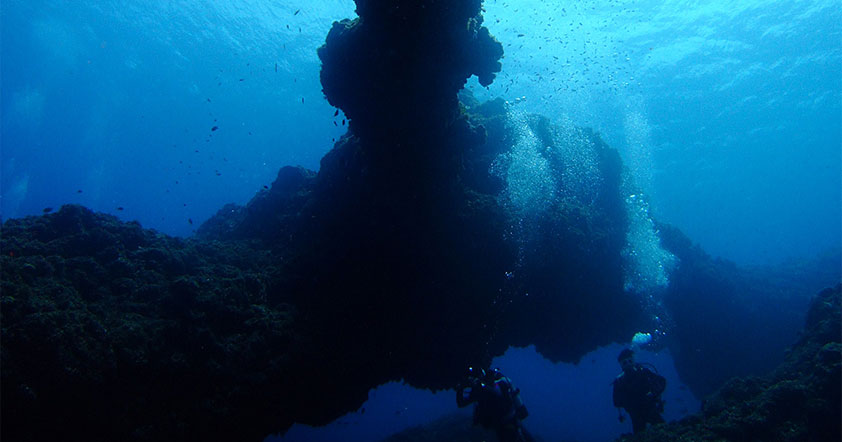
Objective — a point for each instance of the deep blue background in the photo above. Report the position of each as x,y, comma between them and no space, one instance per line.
728,112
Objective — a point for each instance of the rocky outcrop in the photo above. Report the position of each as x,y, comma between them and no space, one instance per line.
397,68
272,216
732,321
114,332
393,262
800,401
284,311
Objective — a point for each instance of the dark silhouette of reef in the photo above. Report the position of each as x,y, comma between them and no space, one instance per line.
382,268
291,308
390,263
397,68
731,321
801,400
114,332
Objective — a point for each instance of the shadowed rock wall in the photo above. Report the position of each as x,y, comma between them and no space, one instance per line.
801,400
731,321
113,332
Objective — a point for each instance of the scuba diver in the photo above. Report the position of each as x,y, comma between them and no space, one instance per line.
638,389
497,404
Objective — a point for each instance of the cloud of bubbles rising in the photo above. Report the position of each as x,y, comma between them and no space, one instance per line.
580,176
542,172
647,264
530,185
564,170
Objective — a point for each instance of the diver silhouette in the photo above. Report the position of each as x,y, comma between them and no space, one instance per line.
497,404
638,390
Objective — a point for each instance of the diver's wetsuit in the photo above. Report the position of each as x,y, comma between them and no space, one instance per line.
498,407
639,391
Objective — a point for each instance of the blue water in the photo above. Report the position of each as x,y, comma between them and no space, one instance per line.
111,104
728,115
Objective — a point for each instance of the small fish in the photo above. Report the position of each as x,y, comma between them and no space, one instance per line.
79,191
296,12
120,208
209,100
334,123
213,129
336,113
190,221
276,67
47,209
302,99
265,187
242,79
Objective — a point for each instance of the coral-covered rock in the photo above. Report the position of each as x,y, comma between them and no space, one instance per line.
271,215
399,65
113,332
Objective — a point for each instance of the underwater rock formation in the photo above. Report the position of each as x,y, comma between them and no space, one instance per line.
567,281
393,262
800,401
114,332
555,286
399,65
731,321
382,271
271,216
402,240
